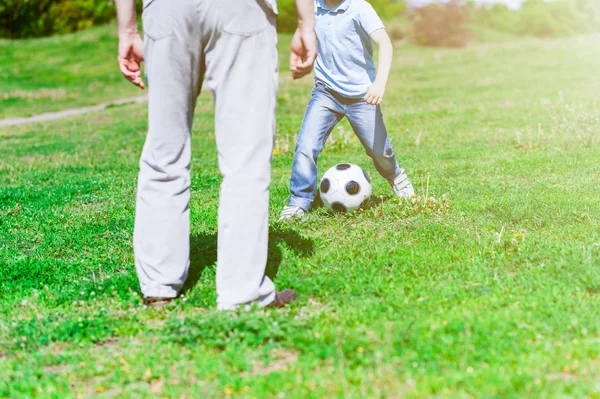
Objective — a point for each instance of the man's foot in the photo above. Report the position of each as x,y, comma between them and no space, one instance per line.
157,302
290,212
401,186
283,298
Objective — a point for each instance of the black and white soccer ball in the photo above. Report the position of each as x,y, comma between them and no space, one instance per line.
345,187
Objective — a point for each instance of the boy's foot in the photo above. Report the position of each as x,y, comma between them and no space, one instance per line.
283,298
292,211
401,186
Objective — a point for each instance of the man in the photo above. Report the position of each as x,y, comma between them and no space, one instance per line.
232,45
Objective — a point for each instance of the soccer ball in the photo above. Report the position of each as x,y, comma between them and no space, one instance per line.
344,187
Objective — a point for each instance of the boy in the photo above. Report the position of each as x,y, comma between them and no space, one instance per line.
345,85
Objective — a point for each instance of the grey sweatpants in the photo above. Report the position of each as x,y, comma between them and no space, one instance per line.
232,44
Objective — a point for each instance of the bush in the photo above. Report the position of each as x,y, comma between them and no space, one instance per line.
388,9
541,18
73,15
399,29
24,18
441,25
287,19
286,23
34,18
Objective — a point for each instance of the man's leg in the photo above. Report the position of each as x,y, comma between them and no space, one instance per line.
242,72
322,114
173,68
367,122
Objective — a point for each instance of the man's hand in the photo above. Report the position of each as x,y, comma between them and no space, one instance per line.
375,93
131,55
303,51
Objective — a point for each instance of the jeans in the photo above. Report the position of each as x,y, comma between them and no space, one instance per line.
325,109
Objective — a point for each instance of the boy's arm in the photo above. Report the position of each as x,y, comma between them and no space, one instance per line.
382,40
131,47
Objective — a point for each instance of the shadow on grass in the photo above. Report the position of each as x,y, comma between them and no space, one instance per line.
375,201
203,252
371,202
317,203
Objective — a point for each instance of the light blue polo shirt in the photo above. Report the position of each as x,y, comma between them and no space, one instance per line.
345,52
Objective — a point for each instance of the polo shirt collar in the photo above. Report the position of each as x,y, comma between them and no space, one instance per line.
343,6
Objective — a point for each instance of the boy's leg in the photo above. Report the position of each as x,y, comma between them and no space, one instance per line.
322,114
367,122
173,70
241,68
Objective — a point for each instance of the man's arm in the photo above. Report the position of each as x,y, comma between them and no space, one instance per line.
382,40
131,47
304,43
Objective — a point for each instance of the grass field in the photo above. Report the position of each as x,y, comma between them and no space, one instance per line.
494,294
44,75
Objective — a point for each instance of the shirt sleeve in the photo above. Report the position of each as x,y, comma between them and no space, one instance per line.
369,20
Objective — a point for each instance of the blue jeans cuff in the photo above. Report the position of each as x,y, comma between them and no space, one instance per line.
301,202
399,170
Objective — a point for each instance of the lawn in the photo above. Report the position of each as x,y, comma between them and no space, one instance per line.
43,75
59,72
495,293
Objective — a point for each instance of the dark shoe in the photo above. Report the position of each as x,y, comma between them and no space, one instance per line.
283,298
157,302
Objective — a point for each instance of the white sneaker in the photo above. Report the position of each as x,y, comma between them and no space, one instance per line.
401,186
290,212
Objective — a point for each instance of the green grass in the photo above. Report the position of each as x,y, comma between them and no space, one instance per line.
45,75
497,295
54,73
76,70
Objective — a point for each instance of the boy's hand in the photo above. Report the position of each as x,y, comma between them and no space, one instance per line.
131,55
375,94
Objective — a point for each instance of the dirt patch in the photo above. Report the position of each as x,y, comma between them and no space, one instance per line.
281,360
52,94
312,308
109,343
156,323
11,212
55,348
565,377
49,116
55,368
